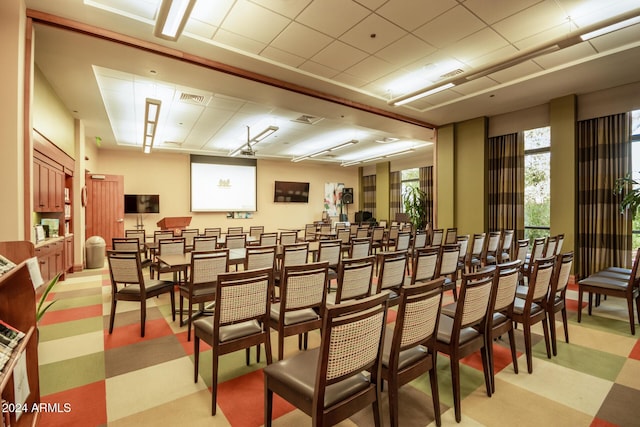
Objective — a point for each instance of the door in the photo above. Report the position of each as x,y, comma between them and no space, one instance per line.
105,206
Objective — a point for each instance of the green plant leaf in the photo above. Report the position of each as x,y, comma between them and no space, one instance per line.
41,308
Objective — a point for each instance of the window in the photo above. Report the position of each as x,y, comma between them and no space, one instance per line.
537,182
409,178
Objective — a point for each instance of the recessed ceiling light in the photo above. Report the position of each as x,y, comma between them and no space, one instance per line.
387,140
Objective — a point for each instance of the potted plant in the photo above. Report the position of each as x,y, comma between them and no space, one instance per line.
42,306
631,199
415,205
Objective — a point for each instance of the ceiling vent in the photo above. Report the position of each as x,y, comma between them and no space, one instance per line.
307,120
192,98
452,73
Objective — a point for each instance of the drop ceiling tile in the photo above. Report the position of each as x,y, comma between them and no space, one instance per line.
282,57
318,69
588,12
531,21
516,72
564,56
496,10
370,69
288,8
209,12
450,27
492,57
403,12
300,40
372,4
406,50
339,56
254,22
238,41
315,16
477,45
618,38
145,9
373,34
200,29
475,85
350,80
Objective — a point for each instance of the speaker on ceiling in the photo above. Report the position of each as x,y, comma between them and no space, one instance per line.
347,196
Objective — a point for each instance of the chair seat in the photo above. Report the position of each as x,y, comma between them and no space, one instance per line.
200,290
446,327
228,332
407,357
521,291
611,274
518,306
150,286
605,282
449,309
293,317
299,373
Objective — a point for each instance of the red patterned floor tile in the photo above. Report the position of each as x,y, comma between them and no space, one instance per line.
572,305
391,316
501,357
130,334
597,422
242,400
72,408
635,352
69,314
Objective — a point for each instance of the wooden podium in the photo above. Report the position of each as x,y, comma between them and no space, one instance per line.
174,223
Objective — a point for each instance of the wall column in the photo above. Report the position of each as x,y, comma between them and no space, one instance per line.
444,194
382,191
12,55
563,115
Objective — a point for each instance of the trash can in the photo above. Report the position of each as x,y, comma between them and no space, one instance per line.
95,247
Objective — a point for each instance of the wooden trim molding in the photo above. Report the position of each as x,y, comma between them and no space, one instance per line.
79,27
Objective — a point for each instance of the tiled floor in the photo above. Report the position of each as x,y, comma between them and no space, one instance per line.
124,380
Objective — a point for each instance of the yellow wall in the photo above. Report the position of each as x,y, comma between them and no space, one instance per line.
445,178
168,176
563,170
382,191
12,30
50,117
470,183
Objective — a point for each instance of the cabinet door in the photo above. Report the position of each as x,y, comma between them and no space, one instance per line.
43,259
58,205
68,254
41,190
58,258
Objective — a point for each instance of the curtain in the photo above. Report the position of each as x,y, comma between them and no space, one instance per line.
426,185
369,194
506,183
604,155
395,194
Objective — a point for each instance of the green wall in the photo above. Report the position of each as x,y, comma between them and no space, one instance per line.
382,191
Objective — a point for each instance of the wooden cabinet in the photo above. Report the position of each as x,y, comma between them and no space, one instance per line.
51,258
17,308
68,253
48,187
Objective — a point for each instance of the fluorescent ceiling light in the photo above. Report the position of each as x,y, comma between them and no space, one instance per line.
399,153
610,28
325,151
172,17
422,94
151,114
265,133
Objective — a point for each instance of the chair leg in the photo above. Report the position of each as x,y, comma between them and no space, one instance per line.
214,382
527,346
189,319
393,400
545,329
565,324
247,352
632,321
196,357
112,315
579,304
172,296
455,381
181,306
268,403
514,355
143,316
552,329
435,394
484,352
375,406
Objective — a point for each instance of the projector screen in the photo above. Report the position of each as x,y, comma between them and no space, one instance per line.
223,184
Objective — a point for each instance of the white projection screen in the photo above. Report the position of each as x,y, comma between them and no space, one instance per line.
223,184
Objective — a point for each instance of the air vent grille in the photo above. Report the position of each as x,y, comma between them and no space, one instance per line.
307,119
194,98
452,73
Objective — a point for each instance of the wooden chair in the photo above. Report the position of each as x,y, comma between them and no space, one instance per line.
303,292
476,250
344,235
537,251
256,231
409,345
331,252
171,246
522,246
506,246
260,257
402,242
142,238
559,244
128,284
492,248
391,276
268,239
205,243
288,237
309,233
425,264
362,232
501,321
550,248
448,267
129,244
437,235
463,241
232,231
355,277
621,287
530,302
465,332
294,254
239,321
377,238
189,236
213,231
235,241
556,302
360,248
392,235
319,382
450,236
162,234
419,241
201,286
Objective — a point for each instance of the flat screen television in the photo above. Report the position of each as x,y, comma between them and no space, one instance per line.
141,203
291,192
